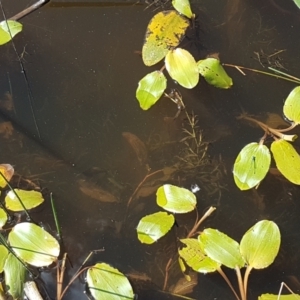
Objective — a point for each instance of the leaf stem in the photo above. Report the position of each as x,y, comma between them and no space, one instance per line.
228,282
246,277
240,281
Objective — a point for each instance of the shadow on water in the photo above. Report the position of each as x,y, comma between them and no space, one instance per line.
82,66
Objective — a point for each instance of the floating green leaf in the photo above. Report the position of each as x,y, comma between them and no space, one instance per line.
106,282
3,218
30,199
150,89
154,226
287,160
7,171
182,67
3,256
175,199
297,2
251,166
14,273
291,108
194,257
214,73
221,248
8,29
260,244
164,32
183,7
33,244
282,297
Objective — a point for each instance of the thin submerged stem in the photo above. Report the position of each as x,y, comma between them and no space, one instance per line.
246,277
228,282
265,73
240,281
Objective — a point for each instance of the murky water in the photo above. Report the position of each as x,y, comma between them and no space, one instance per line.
82,66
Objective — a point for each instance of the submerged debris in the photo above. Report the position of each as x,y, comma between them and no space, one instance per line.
94,191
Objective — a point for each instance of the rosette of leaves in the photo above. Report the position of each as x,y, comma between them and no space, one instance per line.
253,161
171,198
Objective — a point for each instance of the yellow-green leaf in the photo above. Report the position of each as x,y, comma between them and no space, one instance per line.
251,166
30,199
175,199
221,248
183,7
164,32
291,108
33,244
150,89
106,282
154,226
260,244
14,273
3,218
282,297
3,256
195,258
287,160
182,67
8,32
7,171
214,73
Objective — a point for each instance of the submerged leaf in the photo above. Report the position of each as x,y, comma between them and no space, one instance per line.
182,67
214,73
183,7
7,171
106,282
175,199
8,29
251,166
152,227
30,199
221,248
287,160
291,108
195,257
33,244
164,32
14,273
150,89
260,244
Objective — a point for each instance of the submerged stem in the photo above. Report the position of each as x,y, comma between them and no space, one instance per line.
240,281
246,277
228,282
265,73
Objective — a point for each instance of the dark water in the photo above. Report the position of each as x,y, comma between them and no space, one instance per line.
82,66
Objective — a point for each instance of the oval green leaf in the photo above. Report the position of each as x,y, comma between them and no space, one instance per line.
152,227
8,29
3,218
291,107
214,73
195,258
150,89
14,273
175,199
106,282
287,160
164,32
182,67
183,7
33,244
260,244
3,255
221,248
251,166
30,199
7,171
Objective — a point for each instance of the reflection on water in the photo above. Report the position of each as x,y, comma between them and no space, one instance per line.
97,146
